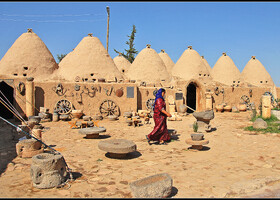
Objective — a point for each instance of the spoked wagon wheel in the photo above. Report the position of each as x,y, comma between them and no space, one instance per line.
63,106
150,104
108,107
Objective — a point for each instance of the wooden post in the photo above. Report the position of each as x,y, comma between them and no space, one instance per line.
108,18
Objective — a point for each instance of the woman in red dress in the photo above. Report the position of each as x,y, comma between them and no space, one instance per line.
160,132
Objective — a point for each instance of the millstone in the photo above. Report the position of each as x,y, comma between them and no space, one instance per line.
28,148
63,117
117,146
35,119
112,117
156,186
92,130
197,137
48,170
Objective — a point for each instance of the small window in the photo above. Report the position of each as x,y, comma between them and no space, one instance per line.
92,74
25,68
24,74
204,74
123,71
266,81
199,74
208,75
238,81
15,74
93,79
233,81
86,79
260,81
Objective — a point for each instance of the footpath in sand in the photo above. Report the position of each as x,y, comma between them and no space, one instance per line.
235,163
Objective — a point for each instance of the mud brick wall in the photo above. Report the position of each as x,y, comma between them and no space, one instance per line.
45,96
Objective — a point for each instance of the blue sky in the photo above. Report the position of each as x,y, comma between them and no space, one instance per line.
241,29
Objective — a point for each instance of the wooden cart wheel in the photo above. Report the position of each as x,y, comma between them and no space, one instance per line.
109,107
150,104
63,106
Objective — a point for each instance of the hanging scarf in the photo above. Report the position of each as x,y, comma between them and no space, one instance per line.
158,95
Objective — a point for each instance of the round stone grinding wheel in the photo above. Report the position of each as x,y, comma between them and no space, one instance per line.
117,148
92,132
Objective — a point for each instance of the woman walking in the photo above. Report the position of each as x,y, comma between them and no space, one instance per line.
160,132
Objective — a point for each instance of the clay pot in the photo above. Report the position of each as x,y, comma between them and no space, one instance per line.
242,107
77,113
228,108
119,92
219,108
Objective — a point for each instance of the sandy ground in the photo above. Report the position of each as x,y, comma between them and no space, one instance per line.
235,163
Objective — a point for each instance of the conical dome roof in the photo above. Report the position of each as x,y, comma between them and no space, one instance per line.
206,64
29,57
255,73
225,71
190,66
89,60
122,64
148,67
167,61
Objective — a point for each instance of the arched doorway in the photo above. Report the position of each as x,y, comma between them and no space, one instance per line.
8,91
191,97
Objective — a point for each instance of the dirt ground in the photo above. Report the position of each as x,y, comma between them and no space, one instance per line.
235,163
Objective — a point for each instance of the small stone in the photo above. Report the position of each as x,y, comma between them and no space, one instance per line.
260,124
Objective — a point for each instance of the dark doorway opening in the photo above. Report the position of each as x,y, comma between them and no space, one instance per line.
191,97
8,91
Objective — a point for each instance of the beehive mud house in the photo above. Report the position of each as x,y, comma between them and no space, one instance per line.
88,76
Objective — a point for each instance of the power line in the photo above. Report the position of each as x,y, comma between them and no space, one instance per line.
63,15
48,21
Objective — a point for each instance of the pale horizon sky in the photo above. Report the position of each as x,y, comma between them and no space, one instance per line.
241,29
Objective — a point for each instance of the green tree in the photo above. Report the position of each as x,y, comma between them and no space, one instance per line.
131,52
60,57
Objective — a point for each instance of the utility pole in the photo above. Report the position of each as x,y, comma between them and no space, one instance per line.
108,17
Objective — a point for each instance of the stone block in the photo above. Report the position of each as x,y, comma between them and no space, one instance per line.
156,186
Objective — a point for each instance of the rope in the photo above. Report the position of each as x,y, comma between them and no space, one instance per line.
15,114
11,106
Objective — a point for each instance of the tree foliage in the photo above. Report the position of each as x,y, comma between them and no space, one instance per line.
60,57
131,52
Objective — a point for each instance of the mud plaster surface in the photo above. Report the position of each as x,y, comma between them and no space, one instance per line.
235,163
